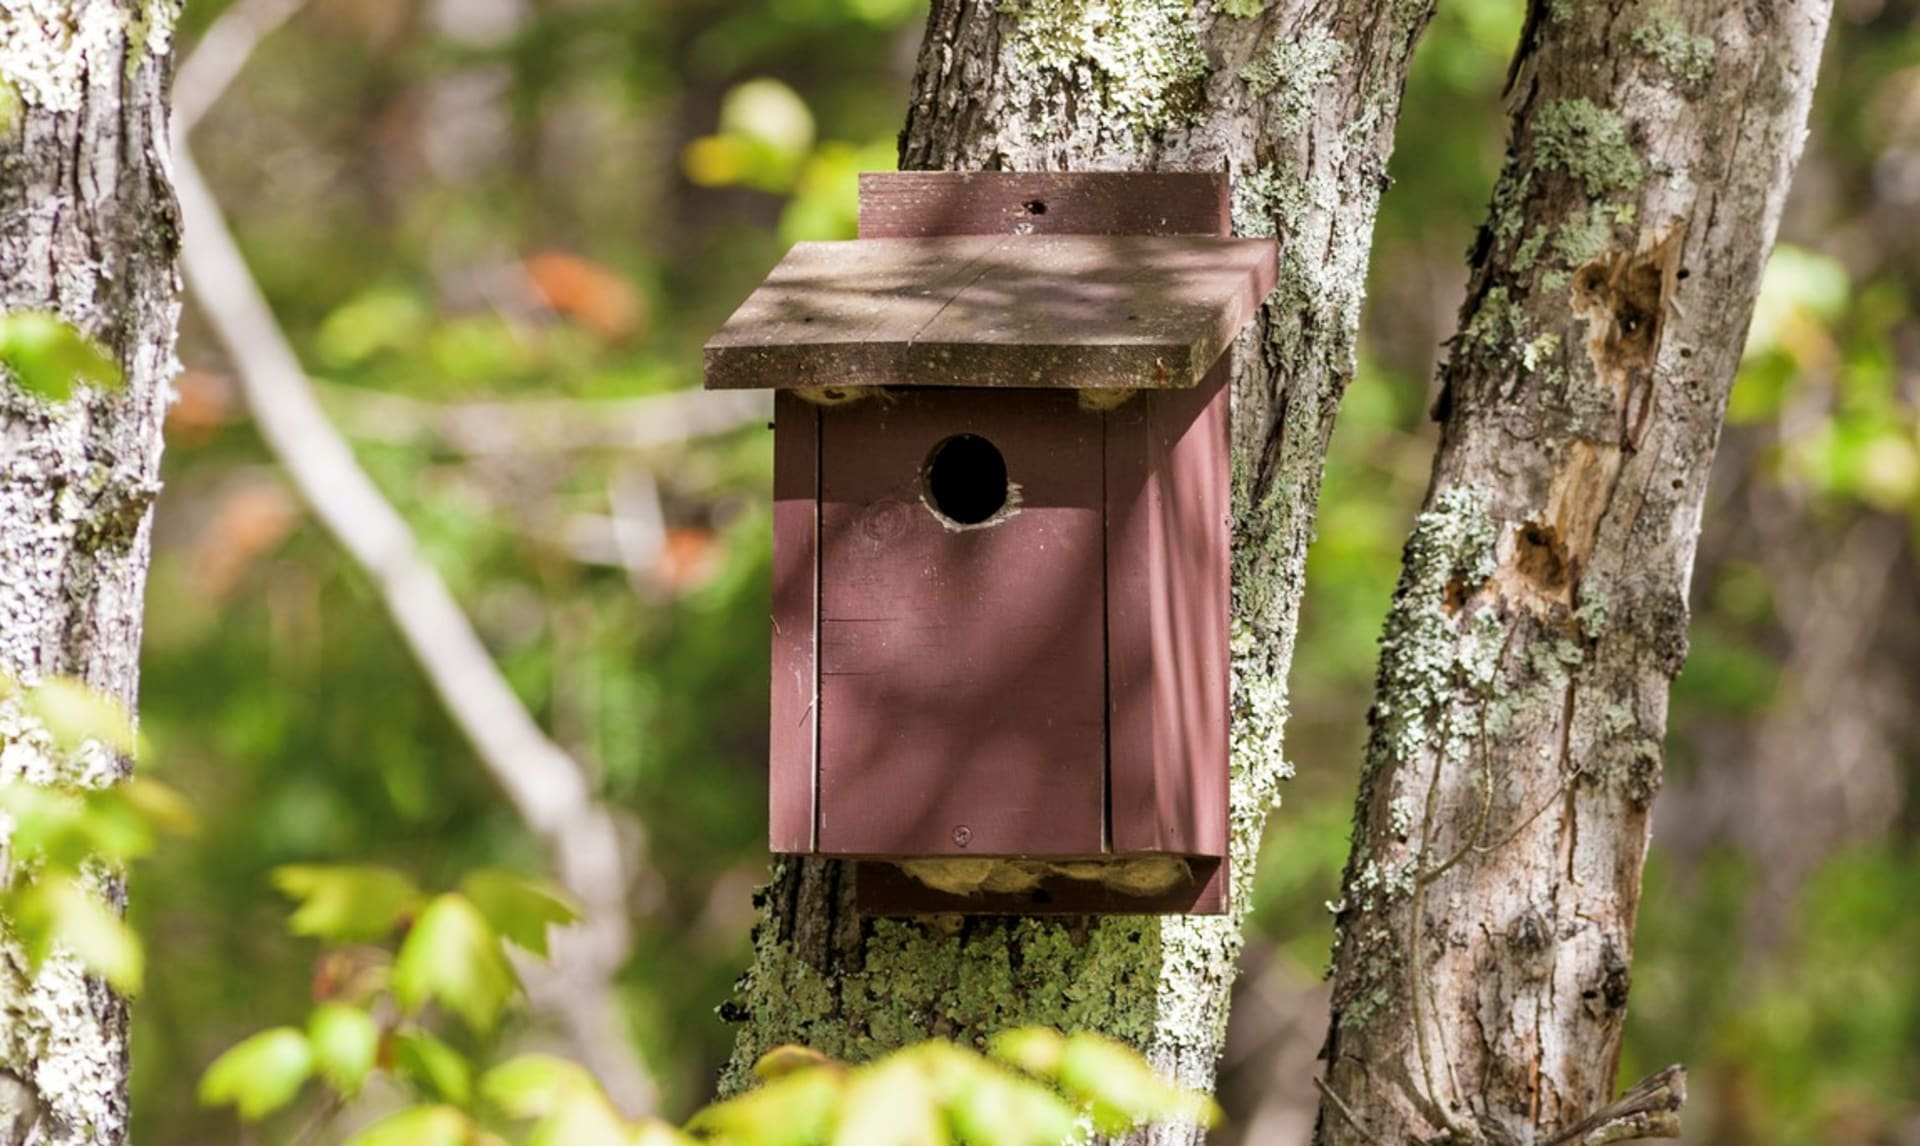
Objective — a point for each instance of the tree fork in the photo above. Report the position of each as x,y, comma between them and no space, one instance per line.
1297,101
1486,926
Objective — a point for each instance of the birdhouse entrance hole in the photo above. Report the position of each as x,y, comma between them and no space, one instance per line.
966,479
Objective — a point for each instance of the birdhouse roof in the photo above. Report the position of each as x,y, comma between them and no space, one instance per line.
1054,311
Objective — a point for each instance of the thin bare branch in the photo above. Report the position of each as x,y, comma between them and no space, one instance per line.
217,59
549,789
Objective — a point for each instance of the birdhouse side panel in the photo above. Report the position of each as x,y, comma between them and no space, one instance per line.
1168,601
793,728
962,692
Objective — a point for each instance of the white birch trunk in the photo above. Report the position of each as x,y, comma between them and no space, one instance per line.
88,229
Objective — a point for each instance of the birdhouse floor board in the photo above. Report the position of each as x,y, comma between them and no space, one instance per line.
1041,311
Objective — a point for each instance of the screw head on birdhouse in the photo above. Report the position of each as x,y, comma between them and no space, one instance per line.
1001,538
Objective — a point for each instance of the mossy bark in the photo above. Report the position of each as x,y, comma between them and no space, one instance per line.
87,229
1298,101
1486,929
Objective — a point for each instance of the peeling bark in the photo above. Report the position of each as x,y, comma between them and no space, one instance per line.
1298,101
88,229
1486,930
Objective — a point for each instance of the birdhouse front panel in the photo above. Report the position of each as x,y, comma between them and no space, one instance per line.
963,704
1001,539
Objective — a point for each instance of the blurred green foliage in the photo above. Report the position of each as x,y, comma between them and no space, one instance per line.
70,834
400,961
450,203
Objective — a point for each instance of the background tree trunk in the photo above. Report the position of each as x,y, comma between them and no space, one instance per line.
87,229
1486,929
1298,101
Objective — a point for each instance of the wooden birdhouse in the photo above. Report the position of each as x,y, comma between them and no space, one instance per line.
1000,538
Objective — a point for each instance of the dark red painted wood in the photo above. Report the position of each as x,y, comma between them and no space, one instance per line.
883,889
1167,617
796,595
923,204
962,691
1044,311
1054,682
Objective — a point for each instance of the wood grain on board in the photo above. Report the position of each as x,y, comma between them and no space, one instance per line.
962,670
925,204
1035,311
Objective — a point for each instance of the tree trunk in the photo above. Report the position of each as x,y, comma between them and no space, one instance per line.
87,229
1485,934
1298,101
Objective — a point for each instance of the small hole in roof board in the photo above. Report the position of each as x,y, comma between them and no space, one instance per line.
966,479
1035,206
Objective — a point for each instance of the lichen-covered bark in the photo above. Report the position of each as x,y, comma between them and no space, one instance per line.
87,229
1485,934
1298,101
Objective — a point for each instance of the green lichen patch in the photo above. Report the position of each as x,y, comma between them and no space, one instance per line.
1528,251
1262,198
1291,75
1241,9
1424,650
1589,143
1665,40
1142,61
1539,351
916,978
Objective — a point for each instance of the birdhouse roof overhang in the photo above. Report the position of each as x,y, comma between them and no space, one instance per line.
1003,311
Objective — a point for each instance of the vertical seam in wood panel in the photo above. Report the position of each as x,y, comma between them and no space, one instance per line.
1106,647
819,546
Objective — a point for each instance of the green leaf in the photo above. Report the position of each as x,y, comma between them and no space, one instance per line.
433,1066
519,908
1036,1050
788,1058
74,714
346,1041
49,825
891,1103
1115,1083
419,1126
54,912
346,904
994,1107
653,1132
571,1108
452,955
65,829
260,1074
1123,1089
47,355
160,806
795,1110
535,1085
989,1105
